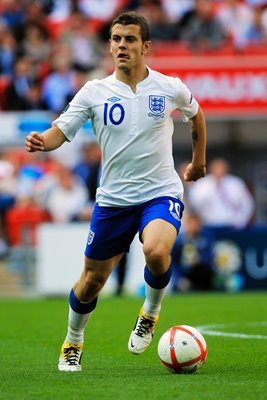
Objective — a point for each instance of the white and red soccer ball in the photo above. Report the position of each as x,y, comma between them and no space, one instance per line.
182,349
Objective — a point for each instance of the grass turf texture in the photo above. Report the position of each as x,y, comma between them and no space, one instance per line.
32,332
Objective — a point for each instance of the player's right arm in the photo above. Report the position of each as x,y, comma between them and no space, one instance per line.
49,140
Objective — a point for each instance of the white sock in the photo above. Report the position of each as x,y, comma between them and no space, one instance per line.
152,304
76,326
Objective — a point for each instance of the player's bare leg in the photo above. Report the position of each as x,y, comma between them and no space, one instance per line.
158,239
83,299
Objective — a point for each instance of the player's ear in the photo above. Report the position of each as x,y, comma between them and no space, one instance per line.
146,46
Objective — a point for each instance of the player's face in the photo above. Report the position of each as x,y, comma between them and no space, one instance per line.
127,47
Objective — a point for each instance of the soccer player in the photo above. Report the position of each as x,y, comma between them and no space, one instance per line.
139,190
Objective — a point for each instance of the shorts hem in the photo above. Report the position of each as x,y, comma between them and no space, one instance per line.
106,257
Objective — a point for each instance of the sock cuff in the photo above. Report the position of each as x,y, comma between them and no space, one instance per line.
159,281
79,307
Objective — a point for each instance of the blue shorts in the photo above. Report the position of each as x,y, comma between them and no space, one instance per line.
113,229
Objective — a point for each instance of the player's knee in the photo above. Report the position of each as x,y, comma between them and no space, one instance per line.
155,254
93,282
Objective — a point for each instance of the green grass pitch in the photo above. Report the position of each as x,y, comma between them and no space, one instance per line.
32,331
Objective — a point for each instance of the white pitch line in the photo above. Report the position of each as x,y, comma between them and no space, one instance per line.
232,324
208,330
233,334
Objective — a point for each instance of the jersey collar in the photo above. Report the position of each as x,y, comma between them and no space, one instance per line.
144,82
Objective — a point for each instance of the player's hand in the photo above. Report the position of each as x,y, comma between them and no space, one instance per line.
34,142
193,172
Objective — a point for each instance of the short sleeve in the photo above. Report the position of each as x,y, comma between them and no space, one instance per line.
184,100
77,112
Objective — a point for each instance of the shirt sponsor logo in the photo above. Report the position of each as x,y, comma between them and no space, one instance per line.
156,106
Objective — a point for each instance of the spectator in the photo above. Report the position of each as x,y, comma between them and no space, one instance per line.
22,220
13,13
66,195
34,99
201,29
17,91
253,3
120,272
264,18
192,257
222,199
7,197
60,80
175,10
161,28
82,42
35,44
8,51
144,7
44,186
23,92
255,33
30,171
33,14
235,16
102,10
60,10
88,169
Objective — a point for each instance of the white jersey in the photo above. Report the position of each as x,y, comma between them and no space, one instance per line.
134,131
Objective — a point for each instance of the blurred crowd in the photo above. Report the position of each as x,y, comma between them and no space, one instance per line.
53,46
36,188
221,201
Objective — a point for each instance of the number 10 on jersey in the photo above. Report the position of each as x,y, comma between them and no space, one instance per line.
115,114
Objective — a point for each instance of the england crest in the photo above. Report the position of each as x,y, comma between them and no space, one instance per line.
90,237
157,105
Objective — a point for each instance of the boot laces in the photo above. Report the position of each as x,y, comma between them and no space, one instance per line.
144,326
72,354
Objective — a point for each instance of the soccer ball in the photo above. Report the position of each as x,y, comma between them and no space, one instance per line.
182,349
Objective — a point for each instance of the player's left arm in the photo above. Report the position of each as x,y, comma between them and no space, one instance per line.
197,168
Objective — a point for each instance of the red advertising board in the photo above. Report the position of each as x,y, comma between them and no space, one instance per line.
225,85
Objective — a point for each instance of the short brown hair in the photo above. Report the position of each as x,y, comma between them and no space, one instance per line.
131,17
